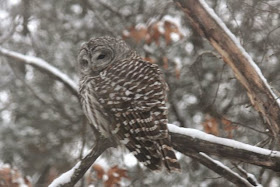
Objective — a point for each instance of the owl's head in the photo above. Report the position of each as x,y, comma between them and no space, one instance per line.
98,53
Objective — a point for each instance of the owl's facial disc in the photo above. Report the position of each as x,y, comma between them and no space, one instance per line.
101,57
84,61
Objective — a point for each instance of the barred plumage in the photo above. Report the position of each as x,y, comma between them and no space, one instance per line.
125,98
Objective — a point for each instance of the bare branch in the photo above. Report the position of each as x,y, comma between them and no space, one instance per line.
208,24
201,54
8,34
250,177
112,9
103,22
220,169
43,66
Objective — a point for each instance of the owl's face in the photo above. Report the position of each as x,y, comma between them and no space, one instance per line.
99,53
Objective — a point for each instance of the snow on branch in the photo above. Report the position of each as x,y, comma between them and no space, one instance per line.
249,176
71,177
205,21
65,178
190,142
187,140
43,66
221,169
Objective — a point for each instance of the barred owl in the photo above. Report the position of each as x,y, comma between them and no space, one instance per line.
124,97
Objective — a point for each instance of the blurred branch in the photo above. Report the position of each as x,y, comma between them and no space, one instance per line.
220,169
40,98
202,53
250,177
273,8
102,21
60,108
267,41
193,68
112,9
209,25
180,117
43,66
71,177
9,32
164,10
218,87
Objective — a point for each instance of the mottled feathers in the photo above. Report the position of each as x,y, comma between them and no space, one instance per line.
125,98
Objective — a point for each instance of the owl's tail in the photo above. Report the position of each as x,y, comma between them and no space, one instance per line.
168,156
155,154
147,154
152,153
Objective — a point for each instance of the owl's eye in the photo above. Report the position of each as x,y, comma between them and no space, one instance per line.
84,63
100,57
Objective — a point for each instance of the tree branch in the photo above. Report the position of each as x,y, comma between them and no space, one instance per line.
220,169
187,140
208,24
43,66
250,177
190,142
71,177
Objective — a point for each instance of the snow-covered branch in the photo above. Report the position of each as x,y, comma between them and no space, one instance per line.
205,21
220,169
190,142
249,176
186,140
43,66
71,177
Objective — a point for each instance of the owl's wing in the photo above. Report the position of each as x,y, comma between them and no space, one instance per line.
135,93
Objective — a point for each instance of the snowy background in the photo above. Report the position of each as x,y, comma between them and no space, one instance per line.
43,132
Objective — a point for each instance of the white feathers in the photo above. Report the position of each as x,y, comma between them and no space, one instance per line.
156,83
137,96
127,93
124,141
156,113
117,88
117,128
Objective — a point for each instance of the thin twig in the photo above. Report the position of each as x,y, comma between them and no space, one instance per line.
102,21
112,9
250,177
221,169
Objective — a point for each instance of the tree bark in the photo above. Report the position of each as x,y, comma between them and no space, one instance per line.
208,24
